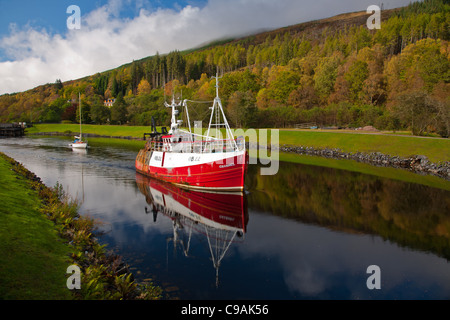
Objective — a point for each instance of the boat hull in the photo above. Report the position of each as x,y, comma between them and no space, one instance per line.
82,145
209,171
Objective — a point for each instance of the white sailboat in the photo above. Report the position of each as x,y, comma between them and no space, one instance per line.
78,143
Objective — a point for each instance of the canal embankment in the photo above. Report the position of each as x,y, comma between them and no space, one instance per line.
33,258
42,233
419,164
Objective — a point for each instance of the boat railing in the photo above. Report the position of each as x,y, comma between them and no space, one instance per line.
188,145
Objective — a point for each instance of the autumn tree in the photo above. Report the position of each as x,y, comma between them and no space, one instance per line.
58,84
418,110
100,114
85,112
143,87
374,87
441,99
424,59
304,97
53,111
242,109
326,73
357,74
70,113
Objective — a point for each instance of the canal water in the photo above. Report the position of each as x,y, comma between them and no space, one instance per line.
308,232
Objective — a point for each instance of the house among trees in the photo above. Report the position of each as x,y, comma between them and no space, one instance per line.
109,102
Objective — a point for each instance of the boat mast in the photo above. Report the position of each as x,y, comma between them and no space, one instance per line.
218,105
79,102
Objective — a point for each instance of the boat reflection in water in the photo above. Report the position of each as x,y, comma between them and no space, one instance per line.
220,217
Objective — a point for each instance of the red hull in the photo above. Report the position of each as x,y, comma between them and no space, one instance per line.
222,175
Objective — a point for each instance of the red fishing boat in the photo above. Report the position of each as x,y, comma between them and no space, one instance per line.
215,161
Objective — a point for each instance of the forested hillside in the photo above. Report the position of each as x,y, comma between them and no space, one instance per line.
334,72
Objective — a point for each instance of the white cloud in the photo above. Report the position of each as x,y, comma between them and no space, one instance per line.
106,41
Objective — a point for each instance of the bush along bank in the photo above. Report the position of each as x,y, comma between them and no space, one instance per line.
415,163
104,276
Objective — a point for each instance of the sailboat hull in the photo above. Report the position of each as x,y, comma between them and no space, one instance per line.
80,145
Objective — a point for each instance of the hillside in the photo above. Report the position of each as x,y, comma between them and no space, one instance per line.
334,72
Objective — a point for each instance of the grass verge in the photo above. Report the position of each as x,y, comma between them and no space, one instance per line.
33,258
436,149
103,130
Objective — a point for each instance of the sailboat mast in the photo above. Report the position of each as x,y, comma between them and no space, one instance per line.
79,102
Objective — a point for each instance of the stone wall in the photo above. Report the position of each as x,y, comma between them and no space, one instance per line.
416,163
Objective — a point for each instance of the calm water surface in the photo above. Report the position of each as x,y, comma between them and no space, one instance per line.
306,233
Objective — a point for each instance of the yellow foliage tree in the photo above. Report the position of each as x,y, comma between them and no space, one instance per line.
144,87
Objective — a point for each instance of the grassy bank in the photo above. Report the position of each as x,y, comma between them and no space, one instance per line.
33,258
104,130
436,149
41,234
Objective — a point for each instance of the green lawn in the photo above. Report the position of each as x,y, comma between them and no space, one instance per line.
106,130
33,259
436,149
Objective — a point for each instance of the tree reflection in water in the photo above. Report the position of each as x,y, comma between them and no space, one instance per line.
409,214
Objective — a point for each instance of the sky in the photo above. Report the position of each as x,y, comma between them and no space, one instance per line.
38,43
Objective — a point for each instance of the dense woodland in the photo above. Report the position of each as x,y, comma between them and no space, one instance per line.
333,72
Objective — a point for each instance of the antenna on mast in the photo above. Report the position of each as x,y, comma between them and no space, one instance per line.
217,85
